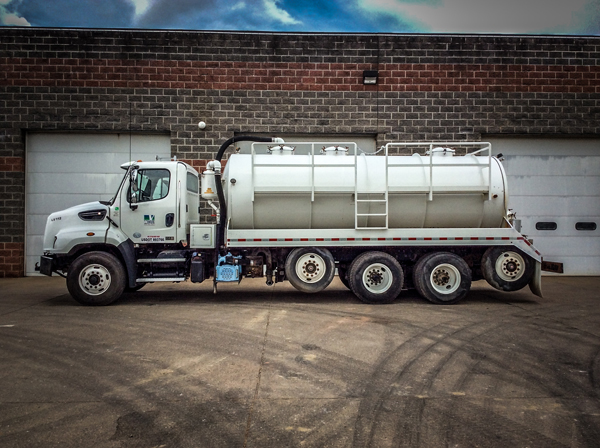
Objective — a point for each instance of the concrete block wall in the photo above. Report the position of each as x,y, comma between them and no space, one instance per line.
431,87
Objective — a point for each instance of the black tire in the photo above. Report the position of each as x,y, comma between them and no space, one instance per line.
507,268
96,278
376,277
442,277
310,269
342,274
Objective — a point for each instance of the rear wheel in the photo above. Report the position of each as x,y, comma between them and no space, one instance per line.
310,269
342,274
506,269
376,277
442,277
96,278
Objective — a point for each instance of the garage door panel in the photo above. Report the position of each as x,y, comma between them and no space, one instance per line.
553,247
50,203
557,185
86,183
579,265
579,207
91,163
81,143
546,147
565,226
35,240
64,170
36,223
548,166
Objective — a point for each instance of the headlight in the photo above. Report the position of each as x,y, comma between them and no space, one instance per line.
93,215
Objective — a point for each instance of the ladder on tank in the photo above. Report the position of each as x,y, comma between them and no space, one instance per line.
371,198
366,198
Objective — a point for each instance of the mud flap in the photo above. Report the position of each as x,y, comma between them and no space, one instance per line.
535,284
46,265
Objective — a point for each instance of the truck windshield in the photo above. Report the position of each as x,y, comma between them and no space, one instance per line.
114,198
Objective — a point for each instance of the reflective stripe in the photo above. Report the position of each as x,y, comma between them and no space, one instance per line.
443,238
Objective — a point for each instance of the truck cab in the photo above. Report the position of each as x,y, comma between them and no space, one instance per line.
157,202
151,214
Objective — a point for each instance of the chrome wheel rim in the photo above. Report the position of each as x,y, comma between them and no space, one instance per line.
94,279
377,278
445,278
310,268
510,266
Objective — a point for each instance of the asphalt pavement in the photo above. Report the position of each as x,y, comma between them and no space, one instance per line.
255,366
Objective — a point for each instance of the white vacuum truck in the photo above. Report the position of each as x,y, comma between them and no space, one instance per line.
299,211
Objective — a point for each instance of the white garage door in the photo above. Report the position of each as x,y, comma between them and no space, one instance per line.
69,169
554,186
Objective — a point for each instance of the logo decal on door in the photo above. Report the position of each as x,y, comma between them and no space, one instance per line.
148,220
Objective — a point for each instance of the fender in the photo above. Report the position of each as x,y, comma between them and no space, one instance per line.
128,253
116,237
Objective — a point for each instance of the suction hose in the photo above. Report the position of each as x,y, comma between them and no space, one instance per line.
222,205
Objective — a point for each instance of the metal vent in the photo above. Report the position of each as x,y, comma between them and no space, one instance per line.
585,226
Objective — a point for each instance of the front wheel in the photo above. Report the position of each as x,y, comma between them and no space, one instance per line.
310,269
506,269
96,278
442,277
376,277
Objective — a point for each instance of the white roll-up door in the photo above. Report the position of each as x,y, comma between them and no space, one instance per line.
66,169
554,186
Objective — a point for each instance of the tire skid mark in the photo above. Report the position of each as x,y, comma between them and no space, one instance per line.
377,405
258,378
386,374
430,364
533,378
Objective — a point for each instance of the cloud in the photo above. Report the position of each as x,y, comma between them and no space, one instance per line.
141,6
278,14
170,14
9,16
215,15
424,16
77,13
238,6
482,16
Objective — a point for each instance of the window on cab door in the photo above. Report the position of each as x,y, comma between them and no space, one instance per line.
152,185
192,183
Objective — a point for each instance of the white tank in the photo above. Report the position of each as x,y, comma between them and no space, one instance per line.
289,191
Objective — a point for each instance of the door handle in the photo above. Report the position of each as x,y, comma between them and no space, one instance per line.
169,219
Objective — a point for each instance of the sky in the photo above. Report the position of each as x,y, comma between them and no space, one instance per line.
571,17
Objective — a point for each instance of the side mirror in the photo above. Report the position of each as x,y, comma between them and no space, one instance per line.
132,178
133,189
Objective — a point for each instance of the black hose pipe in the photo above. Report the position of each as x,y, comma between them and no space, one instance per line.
222,205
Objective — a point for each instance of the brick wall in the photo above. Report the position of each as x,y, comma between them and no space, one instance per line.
430,87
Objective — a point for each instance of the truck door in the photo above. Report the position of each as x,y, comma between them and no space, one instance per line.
149,212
